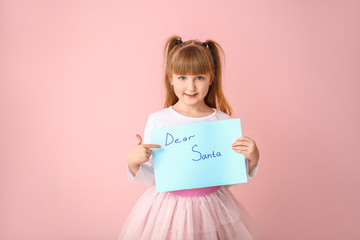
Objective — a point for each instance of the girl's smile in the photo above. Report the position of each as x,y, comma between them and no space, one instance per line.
191,95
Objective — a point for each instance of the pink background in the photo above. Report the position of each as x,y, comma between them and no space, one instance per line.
79,78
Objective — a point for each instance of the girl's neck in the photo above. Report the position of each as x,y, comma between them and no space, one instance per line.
202,110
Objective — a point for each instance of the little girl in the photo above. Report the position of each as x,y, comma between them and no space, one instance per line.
193,94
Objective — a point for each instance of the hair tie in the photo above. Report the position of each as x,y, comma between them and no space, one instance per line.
178,41
205,44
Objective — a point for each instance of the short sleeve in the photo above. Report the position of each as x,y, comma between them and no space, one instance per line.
145,173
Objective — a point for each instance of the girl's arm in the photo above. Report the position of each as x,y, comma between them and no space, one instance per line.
134,169
140,160
251,171
252,165
144,174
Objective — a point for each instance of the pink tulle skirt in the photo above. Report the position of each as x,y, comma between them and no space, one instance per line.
165,216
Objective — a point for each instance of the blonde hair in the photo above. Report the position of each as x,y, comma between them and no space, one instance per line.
193,58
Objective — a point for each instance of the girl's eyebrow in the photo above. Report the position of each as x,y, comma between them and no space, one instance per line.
190,75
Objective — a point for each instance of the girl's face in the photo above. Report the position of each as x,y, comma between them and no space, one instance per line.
191,89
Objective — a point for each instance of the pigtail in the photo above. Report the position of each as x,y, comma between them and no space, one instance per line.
216,87
169,45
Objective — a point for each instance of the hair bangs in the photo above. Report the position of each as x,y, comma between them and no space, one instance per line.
191,61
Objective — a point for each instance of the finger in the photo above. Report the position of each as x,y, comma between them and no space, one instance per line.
240,148
241,143
139,140
242,139
240,151
148,151
151,145
247,138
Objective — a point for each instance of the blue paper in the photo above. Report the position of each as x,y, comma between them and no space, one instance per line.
197,155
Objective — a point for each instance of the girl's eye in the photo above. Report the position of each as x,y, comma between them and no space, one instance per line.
198,77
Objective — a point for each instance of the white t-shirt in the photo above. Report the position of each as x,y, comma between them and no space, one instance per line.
169,117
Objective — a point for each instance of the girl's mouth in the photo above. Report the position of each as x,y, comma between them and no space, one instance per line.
191,95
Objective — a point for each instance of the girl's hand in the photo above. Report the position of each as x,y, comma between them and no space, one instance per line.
248,147
140,153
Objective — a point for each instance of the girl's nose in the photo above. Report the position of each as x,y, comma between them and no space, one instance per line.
191,86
